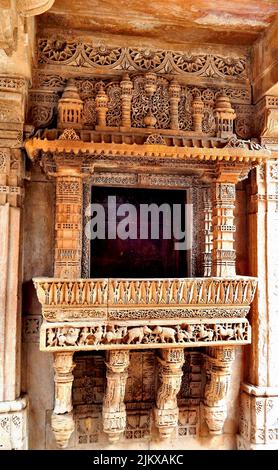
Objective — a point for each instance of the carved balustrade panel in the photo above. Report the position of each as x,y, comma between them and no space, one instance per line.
129,104
107,313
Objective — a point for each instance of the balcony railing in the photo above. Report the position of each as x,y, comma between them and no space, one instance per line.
84,314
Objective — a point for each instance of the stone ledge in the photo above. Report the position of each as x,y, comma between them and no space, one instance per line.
14,424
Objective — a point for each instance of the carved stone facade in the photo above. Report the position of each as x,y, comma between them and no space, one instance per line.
134,361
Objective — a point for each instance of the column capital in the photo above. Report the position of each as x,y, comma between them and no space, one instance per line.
267,121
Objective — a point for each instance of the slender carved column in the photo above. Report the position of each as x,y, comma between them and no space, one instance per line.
208,231
170,375
198,114
174,92
68,225
101,108
218,370
62,420
114,412
126,97
223,255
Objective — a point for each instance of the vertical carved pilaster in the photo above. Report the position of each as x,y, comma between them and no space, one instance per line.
207,205
170,375
218,370
223,255
11,198
126,97
114,412
13,94
62,420
174,94
69,195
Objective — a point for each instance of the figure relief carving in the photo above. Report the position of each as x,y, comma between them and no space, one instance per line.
184,335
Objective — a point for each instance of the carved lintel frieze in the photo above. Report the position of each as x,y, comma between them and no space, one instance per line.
114,411
170,376
103,335
218,371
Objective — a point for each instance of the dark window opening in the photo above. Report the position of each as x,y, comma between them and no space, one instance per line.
138,258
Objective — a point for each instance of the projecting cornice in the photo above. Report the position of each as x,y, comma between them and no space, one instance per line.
145,145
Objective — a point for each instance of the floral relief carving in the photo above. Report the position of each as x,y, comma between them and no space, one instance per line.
146,59
102,55
57,50
189,62
62,50
230,66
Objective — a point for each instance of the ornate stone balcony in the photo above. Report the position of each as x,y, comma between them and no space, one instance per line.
90,314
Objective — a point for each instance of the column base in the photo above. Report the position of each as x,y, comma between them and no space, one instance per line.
258,421
62,427
215,417
14,424
114,424
166,421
